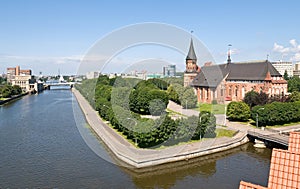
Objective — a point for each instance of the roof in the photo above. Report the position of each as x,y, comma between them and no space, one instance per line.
191,54
211,76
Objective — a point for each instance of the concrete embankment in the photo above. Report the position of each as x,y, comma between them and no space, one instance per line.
12,98
140,158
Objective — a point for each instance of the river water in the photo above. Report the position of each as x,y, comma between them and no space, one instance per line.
41,147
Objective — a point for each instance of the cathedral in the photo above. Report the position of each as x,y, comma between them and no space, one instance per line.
232,80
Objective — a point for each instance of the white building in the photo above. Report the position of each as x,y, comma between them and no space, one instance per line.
282,66
296,71
92,75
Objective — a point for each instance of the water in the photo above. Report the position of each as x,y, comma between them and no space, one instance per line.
41,147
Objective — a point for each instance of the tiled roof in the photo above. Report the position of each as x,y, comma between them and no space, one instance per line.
284,170
294,142
247,185
285,167
211,76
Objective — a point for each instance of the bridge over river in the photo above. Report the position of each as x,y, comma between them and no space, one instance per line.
274,136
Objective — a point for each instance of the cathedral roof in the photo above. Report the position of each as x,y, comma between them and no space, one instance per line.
211,76
191,54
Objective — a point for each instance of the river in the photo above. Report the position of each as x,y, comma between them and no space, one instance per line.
41,146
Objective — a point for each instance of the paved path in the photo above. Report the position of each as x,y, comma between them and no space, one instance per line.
139,158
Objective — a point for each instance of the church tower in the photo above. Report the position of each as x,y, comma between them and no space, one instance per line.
191,68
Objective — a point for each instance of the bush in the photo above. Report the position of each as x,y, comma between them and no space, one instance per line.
277,113
238,111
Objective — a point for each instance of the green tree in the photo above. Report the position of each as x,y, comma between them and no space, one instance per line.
172,93
294,84
238,111
251,98
295,96
188,99
206,125
285,75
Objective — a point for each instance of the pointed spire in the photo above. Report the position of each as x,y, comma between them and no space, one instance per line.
229,58
191,54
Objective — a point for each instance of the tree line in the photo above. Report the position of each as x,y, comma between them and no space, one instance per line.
272,110
122,102
7,91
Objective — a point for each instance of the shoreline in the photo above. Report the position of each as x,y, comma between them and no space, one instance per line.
142,158
2,102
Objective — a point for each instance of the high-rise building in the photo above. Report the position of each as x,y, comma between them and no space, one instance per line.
296,71
281,67
169,71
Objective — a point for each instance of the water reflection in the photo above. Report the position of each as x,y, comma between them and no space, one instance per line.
209,171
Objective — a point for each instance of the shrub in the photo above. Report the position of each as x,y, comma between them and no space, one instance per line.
238,111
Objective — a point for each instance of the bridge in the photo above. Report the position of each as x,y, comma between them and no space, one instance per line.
270,136
48,85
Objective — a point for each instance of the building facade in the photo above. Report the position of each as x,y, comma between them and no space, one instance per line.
231,81
12,72
169,71
281,67
296,71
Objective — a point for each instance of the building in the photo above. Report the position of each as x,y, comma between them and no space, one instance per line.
231,81
284,169
26,82
169,71
12,72
296,71
281,67
192,69
92,75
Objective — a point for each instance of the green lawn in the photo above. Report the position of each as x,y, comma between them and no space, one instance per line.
225,133
214,108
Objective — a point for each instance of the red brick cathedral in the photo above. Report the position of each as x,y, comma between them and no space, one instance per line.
232,80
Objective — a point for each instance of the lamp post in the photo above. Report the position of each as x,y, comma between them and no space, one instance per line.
135,123
257,116
200,120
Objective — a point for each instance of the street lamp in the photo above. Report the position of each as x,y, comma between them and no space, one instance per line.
134,130
257,116
200,120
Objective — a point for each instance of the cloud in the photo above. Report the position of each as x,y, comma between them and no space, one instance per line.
292,51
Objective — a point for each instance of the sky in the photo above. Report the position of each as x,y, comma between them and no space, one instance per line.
47,36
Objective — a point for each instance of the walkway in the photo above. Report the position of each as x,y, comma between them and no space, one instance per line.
139,158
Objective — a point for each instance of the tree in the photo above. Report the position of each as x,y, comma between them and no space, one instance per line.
251,98
172,94
285,75
295,96
294,84
206,125
188,99
238,111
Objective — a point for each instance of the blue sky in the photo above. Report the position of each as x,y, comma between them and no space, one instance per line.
51,35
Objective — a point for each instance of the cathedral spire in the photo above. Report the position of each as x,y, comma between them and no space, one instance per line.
191,54
229,58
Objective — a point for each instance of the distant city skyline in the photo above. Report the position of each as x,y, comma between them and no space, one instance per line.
47,36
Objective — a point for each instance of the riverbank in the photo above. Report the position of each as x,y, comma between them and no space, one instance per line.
140,158
2,102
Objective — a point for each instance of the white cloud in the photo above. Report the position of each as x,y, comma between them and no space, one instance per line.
292,52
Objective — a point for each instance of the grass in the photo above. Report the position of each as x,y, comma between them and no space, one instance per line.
225,132
213,108
171,112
